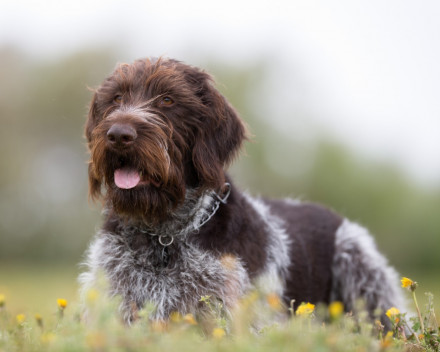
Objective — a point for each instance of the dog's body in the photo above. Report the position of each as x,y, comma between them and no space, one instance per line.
176,228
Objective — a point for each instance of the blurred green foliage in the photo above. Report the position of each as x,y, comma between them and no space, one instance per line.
44,212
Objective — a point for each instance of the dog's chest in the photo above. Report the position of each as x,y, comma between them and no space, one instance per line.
173,278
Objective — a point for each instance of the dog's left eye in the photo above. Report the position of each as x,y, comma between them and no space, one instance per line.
166,101
117,99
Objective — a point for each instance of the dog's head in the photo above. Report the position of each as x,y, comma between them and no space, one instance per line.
155,128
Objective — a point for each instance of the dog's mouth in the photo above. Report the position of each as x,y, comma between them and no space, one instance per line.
128,178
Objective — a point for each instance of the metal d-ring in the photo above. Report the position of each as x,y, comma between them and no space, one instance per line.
226,195
165,244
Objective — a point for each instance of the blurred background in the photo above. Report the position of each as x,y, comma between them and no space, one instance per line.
342,99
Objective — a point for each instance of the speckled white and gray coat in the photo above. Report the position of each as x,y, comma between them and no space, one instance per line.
304,258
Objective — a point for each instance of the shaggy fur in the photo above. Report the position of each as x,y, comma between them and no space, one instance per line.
160,137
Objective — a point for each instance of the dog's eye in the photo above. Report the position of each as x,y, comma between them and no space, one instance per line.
166,101
118,99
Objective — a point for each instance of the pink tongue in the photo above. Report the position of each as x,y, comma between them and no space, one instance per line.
127,178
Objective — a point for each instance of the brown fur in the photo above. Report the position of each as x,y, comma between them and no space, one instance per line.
200,131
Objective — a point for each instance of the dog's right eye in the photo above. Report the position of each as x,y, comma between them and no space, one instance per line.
166,101
118,99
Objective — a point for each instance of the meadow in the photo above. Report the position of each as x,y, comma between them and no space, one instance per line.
39,311
46,221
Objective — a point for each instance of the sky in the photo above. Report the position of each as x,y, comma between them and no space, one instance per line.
366,71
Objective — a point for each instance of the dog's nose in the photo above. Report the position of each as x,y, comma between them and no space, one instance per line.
121,134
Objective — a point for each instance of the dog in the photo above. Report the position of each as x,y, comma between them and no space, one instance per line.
160,137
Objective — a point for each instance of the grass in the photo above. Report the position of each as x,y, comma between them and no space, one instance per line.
32,318
34,288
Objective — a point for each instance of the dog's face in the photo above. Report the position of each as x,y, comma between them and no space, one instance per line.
155,128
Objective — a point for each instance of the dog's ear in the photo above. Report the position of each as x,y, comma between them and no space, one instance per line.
94,181
220,135
91,119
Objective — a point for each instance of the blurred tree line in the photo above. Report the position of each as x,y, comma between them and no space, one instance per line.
44,211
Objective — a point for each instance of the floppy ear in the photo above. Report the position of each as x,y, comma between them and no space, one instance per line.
219,137
91,119
94,180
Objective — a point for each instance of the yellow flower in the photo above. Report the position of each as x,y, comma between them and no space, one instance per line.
20,318
274,301
62,303
305,309
392,314
387,340
218,333
406,282
409,284
175,317
2,300
335,309
189,319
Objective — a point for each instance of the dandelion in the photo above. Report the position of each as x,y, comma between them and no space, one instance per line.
335,309
412,285
274,301
406,282
189,319
62,303
409,284
2,300
218,333
393,314
305,309
20,318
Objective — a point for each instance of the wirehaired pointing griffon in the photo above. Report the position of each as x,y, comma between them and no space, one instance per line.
160,138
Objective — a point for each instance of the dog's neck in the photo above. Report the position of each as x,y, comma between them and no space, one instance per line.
196,210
